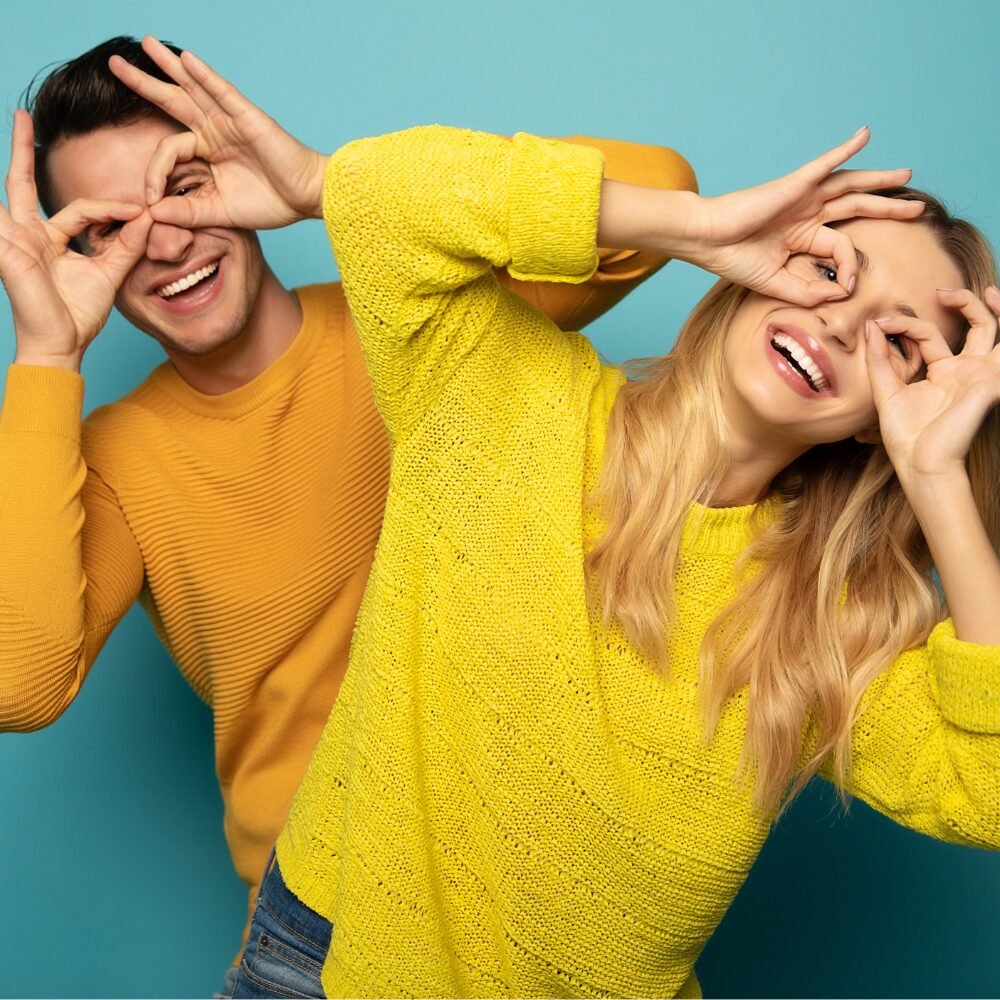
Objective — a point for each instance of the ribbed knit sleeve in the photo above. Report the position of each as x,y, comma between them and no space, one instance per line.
417,220
53,619
926,748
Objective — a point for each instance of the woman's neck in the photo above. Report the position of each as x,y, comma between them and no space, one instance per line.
757,454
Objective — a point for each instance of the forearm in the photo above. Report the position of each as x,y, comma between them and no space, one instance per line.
644,218
962,554
42,581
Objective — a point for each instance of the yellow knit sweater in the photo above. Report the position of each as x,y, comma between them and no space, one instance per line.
507,799
244,522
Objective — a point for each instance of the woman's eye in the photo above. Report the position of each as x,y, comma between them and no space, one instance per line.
899,342
825,270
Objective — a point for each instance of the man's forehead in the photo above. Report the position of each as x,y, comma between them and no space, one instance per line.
108,162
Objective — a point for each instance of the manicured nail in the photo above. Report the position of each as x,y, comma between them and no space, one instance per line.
851,282
883,319
868,330
860,130
946,289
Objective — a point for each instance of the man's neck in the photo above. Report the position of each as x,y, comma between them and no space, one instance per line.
273,325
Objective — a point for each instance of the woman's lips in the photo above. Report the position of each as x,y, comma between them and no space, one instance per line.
791,374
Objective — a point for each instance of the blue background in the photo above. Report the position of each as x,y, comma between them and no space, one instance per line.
115,876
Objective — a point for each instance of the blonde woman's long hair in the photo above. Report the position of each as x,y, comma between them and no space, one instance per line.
806,644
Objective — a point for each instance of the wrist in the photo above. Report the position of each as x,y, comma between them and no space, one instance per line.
69,362
653,219
312,195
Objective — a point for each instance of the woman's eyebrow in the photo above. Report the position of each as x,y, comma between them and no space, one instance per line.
865,265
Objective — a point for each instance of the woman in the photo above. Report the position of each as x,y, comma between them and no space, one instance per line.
612,626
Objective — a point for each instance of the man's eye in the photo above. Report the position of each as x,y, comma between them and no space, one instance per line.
825,270
183,191
105,233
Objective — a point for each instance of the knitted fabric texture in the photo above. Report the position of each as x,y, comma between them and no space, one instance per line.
245,523
507,800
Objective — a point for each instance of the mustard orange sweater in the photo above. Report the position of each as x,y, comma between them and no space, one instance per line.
245,523
507,799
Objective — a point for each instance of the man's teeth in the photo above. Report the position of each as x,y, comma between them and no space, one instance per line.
803,360
188,280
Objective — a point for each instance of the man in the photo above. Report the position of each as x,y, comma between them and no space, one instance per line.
237,492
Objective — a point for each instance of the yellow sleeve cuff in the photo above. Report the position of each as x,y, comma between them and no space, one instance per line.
42,400
968,680
555,196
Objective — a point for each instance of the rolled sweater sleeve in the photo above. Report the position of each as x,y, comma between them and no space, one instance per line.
70,566
418,219
926,745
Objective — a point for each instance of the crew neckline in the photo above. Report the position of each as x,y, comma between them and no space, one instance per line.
723,530
316,305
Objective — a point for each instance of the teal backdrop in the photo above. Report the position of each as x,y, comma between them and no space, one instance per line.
116,880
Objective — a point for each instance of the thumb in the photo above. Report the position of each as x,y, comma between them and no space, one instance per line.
129,246
884,379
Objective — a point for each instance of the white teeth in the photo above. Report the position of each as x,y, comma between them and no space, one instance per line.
188,280
802,359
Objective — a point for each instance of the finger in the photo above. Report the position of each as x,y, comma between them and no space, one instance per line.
791,288
870,206
84,212
127,248
982,335
221,90
817,170
844,181
993,301
883,376
168,97
926,335
171,150
172,65
837,245
22,196
191,213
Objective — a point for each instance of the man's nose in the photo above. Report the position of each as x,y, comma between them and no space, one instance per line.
168,243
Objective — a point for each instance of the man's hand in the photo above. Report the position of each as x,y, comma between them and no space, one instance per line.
263,177
60,299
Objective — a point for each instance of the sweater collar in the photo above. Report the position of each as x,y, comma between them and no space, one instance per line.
723,531
273,380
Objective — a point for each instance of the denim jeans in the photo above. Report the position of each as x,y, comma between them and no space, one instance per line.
287,945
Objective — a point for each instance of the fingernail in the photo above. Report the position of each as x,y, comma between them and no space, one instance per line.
860,130
150,195
868,330
946,289
851,282
883,319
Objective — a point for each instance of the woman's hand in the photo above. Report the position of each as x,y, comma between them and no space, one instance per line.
60,299
927,426
263,177
748,236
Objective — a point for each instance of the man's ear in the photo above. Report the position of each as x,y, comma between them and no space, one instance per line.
870,435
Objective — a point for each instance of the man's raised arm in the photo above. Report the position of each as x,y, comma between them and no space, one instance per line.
69,567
